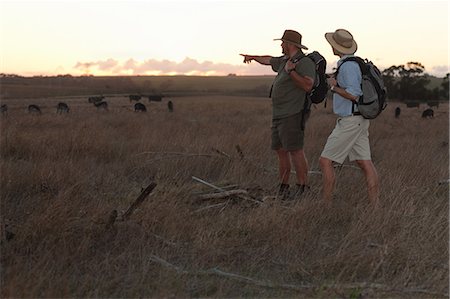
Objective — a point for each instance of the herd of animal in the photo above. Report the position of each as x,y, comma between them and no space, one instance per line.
101,104
98,101
427,113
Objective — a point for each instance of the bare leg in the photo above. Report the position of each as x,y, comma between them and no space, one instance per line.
284,165
328,178
301,166
373,187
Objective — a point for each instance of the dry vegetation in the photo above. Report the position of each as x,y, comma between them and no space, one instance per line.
62,175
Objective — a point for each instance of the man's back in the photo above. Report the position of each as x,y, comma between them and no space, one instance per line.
349,78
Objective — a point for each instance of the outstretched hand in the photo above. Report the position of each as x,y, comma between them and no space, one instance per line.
247,58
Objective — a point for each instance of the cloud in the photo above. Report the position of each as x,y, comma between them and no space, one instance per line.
188,66
107,64
440,70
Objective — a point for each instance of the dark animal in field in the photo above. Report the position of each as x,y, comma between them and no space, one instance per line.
4,109
135,97
34,109
62,108
155,98
170,106
101,105
397,112
139,107
429,113
95,99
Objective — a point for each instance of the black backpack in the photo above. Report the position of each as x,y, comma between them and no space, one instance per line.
320,88
373,100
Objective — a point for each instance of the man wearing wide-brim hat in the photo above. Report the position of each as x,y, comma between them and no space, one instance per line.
350,137
294,80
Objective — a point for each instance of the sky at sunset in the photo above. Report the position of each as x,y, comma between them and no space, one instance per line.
206,37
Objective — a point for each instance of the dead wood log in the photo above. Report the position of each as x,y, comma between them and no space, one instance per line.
241,196
138,201
223,194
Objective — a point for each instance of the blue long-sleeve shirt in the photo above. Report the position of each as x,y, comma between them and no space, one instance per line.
348,78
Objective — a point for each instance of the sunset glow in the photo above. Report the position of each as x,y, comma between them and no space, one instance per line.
206,37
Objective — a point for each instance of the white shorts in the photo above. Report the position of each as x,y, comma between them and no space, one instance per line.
349,138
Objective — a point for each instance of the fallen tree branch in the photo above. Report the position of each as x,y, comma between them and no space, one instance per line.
294,287
222,190
222,194
207,184
138,201
221,152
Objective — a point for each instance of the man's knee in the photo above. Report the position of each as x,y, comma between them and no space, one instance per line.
365,165
296,153
282,152
325,162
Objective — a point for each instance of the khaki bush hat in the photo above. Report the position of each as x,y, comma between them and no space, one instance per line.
292,37
342,41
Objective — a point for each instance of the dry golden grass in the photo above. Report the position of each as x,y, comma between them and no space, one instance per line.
62,175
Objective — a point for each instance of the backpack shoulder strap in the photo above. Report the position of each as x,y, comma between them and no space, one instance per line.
358,60
300,58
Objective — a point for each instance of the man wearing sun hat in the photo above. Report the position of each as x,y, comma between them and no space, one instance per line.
350,136
289,90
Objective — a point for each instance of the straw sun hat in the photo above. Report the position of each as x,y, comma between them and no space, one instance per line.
342,41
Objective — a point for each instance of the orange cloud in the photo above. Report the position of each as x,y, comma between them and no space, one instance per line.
188,66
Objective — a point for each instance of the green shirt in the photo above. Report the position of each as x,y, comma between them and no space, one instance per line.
287,98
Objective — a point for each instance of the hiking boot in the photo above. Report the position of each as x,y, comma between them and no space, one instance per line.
283,192
299,191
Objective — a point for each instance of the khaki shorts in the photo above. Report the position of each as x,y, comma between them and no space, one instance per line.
349,138
287,133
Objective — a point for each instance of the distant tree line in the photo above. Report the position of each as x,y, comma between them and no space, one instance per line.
409,83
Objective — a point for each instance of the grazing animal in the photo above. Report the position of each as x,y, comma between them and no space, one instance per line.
155,98
34,109
139,107
4,109
429,113
134,97
170,106
101,105
62,108
397,112
95,99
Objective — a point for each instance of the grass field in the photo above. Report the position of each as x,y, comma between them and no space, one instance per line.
40,87
63,175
